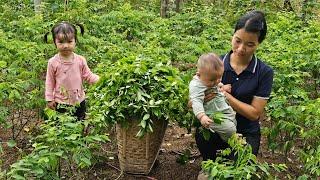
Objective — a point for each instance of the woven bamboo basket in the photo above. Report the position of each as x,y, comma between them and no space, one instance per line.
137,155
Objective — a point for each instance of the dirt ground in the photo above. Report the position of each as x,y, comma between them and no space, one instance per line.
175,142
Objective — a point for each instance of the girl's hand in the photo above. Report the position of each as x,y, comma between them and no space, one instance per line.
51,105
205,121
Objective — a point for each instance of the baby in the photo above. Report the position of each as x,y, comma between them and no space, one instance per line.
208,79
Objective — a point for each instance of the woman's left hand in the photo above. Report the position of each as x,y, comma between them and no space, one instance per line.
226,88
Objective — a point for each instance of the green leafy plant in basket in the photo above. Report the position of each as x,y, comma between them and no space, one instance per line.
142,88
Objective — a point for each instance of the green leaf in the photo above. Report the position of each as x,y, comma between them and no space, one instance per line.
214,172
14,94
150,128
206,134
43,160
217,117
11,143
151,102
86,161
72,125
38,171
264,169
18,177
139,96
140,133
60,153
96,138
248,176
50,113
20,168
72,137
3,64
158,102
100,138
145,117
143,124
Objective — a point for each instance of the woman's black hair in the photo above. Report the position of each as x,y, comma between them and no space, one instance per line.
64,28
253,22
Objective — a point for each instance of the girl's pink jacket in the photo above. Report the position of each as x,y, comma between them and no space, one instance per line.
64,80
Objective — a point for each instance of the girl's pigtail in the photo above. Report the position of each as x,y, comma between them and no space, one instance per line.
45,37
81,28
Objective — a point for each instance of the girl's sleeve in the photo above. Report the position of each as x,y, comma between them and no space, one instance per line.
50,83
87,75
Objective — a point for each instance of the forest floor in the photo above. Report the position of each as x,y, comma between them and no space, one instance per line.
175,142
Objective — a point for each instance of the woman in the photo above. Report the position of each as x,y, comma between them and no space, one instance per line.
248,83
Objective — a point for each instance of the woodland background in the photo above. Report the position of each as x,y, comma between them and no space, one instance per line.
175,33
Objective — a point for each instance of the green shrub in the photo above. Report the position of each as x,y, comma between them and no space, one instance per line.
143,88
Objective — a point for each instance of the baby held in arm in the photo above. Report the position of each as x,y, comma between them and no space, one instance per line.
216,114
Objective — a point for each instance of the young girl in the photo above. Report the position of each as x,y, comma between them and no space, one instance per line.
66,70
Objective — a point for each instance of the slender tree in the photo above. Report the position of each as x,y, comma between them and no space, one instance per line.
287,5
178,5
164,8
66,3
37,7
304,11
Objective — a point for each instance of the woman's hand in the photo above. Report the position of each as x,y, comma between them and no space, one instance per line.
251,111
226,88
51,105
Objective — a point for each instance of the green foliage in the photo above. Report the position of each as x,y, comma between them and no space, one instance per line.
303,123
217,117
140,88
295,98
61,139
245,165
184,157
311,157
126,36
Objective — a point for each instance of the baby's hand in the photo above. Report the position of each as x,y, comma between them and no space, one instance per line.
51,105
206,121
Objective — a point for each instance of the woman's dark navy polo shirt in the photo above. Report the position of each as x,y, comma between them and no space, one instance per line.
255,80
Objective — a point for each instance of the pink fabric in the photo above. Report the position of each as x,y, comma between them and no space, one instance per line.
64,80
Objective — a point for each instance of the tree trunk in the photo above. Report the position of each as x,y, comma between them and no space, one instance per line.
287,5
37,7
66,3
304,11
178,3
164,8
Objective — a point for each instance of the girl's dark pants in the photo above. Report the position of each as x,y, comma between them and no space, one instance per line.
208,149
80,112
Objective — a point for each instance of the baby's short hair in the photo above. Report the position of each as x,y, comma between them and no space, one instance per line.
210,62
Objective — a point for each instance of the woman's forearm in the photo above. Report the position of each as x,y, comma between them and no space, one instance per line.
251,111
